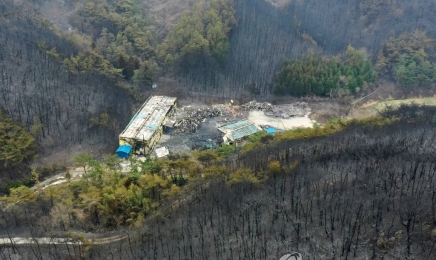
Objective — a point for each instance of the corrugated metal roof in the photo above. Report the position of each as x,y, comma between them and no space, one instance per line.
245,131
235,126
240,129
149,117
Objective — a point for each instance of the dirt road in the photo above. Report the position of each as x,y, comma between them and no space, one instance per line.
59,240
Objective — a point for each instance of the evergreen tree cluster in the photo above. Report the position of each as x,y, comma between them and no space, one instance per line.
321,75
203,31
124,38
407,43
17,147
407,59
128,41
90,61
414,71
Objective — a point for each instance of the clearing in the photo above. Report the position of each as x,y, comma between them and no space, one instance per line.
429,101
373,107
259,118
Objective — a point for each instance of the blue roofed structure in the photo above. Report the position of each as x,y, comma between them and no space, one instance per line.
270,130
238,130
124,151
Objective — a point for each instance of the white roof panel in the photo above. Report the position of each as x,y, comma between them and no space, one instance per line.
149,118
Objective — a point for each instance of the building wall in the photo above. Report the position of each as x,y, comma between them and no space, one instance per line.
146,146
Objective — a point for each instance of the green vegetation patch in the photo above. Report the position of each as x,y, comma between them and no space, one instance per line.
321,75
128,46
16,145
203,31
408,59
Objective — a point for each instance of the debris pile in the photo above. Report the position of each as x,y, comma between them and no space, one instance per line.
189,129
302,105
190,122
298,109
254,105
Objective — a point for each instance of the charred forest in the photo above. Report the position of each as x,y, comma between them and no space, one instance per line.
67,66
72,73
38,93
367,191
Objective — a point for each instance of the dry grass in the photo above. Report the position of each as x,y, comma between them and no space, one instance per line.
371,107
369,104
429,101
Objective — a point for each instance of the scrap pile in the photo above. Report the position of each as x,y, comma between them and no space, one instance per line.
190,122
297,109
254,105
302,105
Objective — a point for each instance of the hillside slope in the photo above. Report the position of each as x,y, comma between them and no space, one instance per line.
364,192
268,34
39,92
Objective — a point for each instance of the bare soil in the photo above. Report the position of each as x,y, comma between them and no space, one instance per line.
259,118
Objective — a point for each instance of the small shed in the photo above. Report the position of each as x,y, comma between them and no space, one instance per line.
124,151
168,125
270,130
161,152
238,130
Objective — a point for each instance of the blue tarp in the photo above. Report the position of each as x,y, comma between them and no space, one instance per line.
124,151
270,130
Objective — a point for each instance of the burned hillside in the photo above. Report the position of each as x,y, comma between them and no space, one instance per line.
364,192
367,191
290,172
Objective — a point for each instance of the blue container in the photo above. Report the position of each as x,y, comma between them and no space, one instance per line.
124,151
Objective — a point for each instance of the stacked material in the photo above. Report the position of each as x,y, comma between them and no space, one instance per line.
190,122
254,105
297,109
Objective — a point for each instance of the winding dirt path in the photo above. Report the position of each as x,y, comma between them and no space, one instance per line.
60,240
